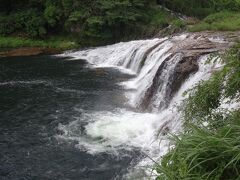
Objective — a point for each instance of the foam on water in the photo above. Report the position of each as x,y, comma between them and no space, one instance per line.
110,132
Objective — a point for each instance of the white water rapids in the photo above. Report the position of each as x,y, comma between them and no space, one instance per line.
126,129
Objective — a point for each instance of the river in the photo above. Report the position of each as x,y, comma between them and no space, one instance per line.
94,114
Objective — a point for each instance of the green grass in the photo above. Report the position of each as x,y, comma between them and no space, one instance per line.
209,151
222,21
53,42
204,155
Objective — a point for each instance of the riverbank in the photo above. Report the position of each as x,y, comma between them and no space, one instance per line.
22,45
25,47
28,51
19,46
218,23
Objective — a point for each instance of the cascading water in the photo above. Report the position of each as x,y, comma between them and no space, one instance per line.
154,94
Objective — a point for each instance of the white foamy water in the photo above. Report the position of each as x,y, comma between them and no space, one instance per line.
125,129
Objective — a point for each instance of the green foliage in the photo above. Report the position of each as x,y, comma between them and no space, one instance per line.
52,15
232,71
209,148
205,98
204,154
28,21
35,26
223,21
93,22
6,25
201,8
67,7
178,23
78,16
160,17
108,21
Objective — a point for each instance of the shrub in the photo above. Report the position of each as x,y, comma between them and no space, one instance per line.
204,154
52,14
29,22
35,26
6,25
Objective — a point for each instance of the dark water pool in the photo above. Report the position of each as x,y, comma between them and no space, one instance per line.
39,93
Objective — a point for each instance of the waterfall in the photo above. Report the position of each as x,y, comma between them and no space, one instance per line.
164,69
153,61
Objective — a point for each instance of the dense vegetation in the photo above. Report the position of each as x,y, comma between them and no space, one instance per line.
221,21
201,8
91,22
100,22
210,146
215,15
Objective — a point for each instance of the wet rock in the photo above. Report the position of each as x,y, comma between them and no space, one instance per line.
184,68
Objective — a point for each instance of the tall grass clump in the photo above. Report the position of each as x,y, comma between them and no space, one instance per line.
221,21
209,148
204,154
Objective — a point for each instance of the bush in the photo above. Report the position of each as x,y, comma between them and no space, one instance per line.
29,22
6,25
204,99
35,26
94,22
52,14
204,154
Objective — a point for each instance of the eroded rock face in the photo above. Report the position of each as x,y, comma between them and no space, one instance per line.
184,68
184,58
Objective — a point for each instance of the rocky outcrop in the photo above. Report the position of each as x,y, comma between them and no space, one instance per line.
185,52
184,68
